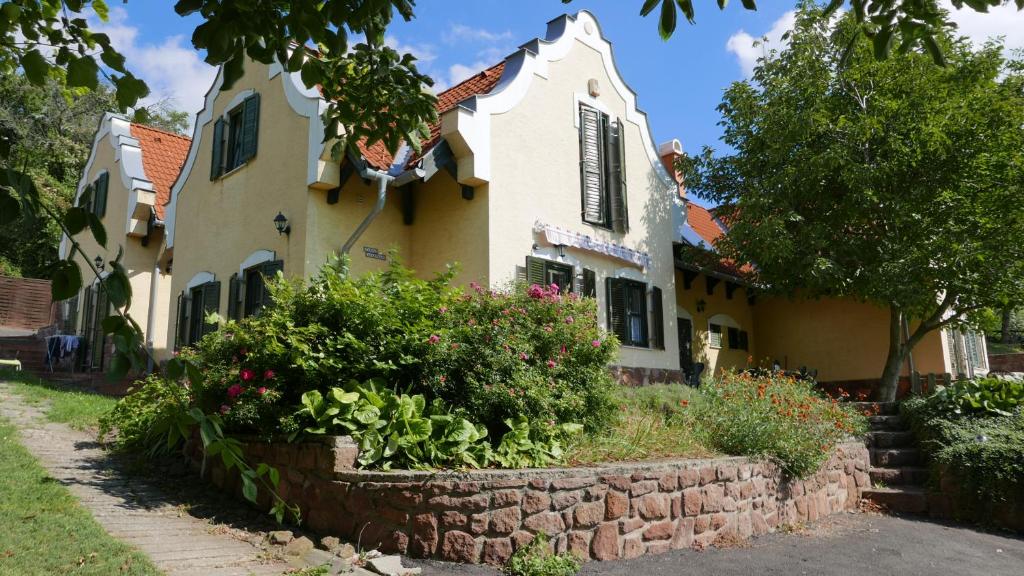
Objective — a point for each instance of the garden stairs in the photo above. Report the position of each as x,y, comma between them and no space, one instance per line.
898,474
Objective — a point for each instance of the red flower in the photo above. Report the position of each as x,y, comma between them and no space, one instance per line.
262,390
246,374
551,363
235,390
268,375
434,339
224,409
596,343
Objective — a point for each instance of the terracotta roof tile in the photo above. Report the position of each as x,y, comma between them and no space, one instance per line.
710,229
481,83
163,155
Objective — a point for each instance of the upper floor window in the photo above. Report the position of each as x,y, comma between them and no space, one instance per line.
603,170
96,193
235,137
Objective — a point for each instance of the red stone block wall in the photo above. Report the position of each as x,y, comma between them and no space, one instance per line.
597,513
1006,362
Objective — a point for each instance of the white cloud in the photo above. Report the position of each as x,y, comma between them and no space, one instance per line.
748,48
459,72
424,53
1004,20
461,33
171,68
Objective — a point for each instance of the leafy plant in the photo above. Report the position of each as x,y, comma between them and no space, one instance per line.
530,445
145,416
776,417
536,559
989,395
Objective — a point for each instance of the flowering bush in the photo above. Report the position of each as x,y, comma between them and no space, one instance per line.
774,416
528,352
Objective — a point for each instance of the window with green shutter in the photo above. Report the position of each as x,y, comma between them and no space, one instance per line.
547,272
235,137
217,146
627,311
657,320
253,285
603,170
99,194
194,305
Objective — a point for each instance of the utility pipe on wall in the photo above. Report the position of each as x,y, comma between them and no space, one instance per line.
154,283
383,179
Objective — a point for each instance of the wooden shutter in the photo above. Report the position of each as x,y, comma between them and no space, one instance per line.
211,303
592,157
217,159
250,127
616,290
99,339
269,271
180,324
234,292
734,338
657,320
88,295
521,274
616,175
744,340
534,271
589,283
100,195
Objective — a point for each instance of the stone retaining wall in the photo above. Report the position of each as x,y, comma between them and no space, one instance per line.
599,513
1006,362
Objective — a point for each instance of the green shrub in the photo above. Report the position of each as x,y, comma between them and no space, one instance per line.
989,395
776,417
983,451
142,419
536,559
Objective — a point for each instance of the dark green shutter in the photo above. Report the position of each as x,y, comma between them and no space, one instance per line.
589,283
99,339
616,165
88,303
180,324
592,159
100,200
616,290
534,271
744,340
234,291
734,338
269,271
250,126
657,320
211,303
217,159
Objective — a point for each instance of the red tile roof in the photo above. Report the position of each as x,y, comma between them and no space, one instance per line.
710,229
163,155
481,83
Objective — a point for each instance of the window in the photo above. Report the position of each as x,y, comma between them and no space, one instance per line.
248,294
627,311
235,138
657,320
603,170
194,305
546,272
738,339
96,195
715,335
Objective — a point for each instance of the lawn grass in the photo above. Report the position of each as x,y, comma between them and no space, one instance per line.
653,423
43,529
1000,348
79,409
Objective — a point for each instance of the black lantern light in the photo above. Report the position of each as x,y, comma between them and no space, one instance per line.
98,261
281,223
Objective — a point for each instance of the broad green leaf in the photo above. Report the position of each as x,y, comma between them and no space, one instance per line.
76,219
83,71
10,209
119,366
118,287
35,66
101,10
65,280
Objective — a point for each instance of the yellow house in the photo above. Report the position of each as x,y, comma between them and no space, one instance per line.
541,168
128,177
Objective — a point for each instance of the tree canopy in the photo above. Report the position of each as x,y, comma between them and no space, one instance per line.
894,181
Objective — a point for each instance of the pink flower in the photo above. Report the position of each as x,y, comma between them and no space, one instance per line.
224,409
475,286
472,322
442,310
262,390
554,288
235,390
548,328
434,339
523,356
246,374
563,350
443,378
551,363
596,343
535,292
569,320
268,375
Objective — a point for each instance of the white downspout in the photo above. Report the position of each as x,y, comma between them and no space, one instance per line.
383,179
151,316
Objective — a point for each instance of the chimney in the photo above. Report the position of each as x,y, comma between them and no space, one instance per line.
670,152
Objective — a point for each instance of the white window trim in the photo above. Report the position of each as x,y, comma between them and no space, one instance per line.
257,257
199,279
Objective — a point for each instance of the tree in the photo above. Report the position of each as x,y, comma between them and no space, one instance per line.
897,182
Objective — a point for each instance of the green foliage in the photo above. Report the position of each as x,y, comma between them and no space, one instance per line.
536,559
993,396
774,416
887,181
529,444
982,450
149,415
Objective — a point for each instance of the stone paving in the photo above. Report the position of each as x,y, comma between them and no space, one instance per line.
130,508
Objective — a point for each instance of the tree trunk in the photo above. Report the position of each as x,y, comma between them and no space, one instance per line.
1004,336
894,360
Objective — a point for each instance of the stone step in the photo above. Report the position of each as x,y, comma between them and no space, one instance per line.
895,457
877,408
907,499
886,422
890,438
903,476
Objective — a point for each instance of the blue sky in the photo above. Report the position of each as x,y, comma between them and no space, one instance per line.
679,82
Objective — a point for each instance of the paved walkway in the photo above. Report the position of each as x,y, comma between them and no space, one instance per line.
130,508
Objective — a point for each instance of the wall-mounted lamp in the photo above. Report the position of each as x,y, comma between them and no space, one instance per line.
701,305
281,223
561,251
98,261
